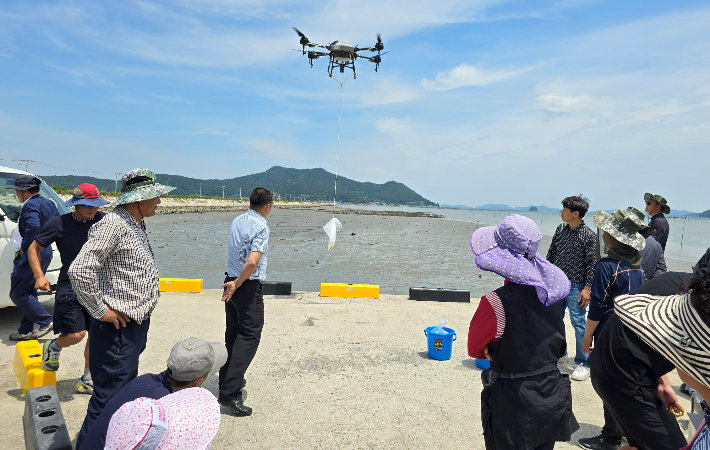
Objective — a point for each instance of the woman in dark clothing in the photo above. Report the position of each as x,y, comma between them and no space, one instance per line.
526,403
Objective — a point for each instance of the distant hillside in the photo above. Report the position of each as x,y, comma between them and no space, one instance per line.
308,184
705,213
498,206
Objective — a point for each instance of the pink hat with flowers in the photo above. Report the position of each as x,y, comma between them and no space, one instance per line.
185,420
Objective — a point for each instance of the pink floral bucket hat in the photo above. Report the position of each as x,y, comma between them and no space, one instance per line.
185,420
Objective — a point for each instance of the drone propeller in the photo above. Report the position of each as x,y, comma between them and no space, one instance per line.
304,40
379,46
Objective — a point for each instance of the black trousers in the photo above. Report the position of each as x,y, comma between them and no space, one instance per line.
245,320
611,431
642,415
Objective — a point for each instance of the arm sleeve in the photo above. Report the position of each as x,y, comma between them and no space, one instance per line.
702,263
487,324
660,265
49,232
590,259
260,241
598,295
552,251
84,271
30,214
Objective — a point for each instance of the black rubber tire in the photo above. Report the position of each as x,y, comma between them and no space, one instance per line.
439,295
276,288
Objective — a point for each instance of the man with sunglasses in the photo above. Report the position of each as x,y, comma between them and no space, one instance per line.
656,207
71,320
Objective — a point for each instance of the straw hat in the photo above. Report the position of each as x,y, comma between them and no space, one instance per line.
672,327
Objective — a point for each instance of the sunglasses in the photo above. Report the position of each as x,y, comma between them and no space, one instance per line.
648,203
87,206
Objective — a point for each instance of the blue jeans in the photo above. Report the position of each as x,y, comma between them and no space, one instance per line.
24,295
577,316
113,361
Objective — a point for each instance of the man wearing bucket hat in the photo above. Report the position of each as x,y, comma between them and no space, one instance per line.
660,327
185,420
524,338
190,363
115,278
70,232
656,207
653,260
618,273
36,211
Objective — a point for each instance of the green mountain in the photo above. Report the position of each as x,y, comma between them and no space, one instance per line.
705,213
307,184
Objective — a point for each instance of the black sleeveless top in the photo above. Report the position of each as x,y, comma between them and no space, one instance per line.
524,413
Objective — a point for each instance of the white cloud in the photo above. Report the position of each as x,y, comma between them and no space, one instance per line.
565,103
466,75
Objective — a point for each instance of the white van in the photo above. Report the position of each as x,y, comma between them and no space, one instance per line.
10,208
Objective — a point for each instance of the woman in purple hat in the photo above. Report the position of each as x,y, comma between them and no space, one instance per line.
526,403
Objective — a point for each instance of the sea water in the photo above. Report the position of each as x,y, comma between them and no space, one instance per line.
394,252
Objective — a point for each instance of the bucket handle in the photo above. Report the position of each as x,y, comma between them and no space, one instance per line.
454,337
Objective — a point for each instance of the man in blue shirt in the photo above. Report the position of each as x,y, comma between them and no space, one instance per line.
242,297
656,207
36,211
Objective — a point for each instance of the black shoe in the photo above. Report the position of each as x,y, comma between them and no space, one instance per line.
597,443
236,406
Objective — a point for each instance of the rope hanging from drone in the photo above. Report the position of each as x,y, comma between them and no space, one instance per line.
341,54
337,148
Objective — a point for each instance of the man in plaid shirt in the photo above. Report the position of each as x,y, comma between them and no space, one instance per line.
115,278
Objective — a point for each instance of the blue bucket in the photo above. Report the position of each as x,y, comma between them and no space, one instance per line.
439,344
483,363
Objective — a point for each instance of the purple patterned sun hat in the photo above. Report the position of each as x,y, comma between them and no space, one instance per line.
510,250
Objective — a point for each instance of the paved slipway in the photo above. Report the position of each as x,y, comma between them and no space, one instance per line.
330,373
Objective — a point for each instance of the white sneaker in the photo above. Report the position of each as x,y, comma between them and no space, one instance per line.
581,373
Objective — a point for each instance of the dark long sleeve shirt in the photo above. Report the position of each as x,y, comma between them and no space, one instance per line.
661,229
702,266
36,211
611,279
653,261
573,251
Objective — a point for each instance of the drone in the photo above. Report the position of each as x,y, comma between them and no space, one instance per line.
342,53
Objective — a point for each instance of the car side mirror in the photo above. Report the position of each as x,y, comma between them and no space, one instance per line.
2,217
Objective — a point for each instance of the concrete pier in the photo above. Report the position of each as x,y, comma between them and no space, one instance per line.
330,373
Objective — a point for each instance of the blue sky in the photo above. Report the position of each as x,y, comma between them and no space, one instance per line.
478,102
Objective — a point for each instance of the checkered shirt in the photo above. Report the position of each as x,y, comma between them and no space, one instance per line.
116,268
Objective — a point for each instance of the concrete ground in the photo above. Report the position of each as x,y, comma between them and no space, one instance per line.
330,373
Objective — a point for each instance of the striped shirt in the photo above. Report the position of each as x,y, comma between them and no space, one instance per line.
573,251
116,268
248,233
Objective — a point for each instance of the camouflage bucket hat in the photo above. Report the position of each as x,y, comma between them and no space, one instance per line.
665,209
138,185
623,225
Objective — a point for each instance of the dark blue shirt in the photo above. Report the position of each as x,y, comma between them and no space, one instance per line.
36,212
611,279
70,234
151,385
661,229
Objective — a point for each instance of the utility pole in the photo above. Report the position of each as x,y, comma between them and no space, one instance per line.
240,193
116,173
222,191
200,189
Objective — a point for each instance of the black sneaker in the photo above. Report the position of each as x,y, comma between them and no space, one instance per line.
597,443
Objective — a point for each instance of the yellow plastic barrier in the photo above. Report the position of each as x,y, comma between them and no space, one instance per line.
180,285
28,366
349,290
